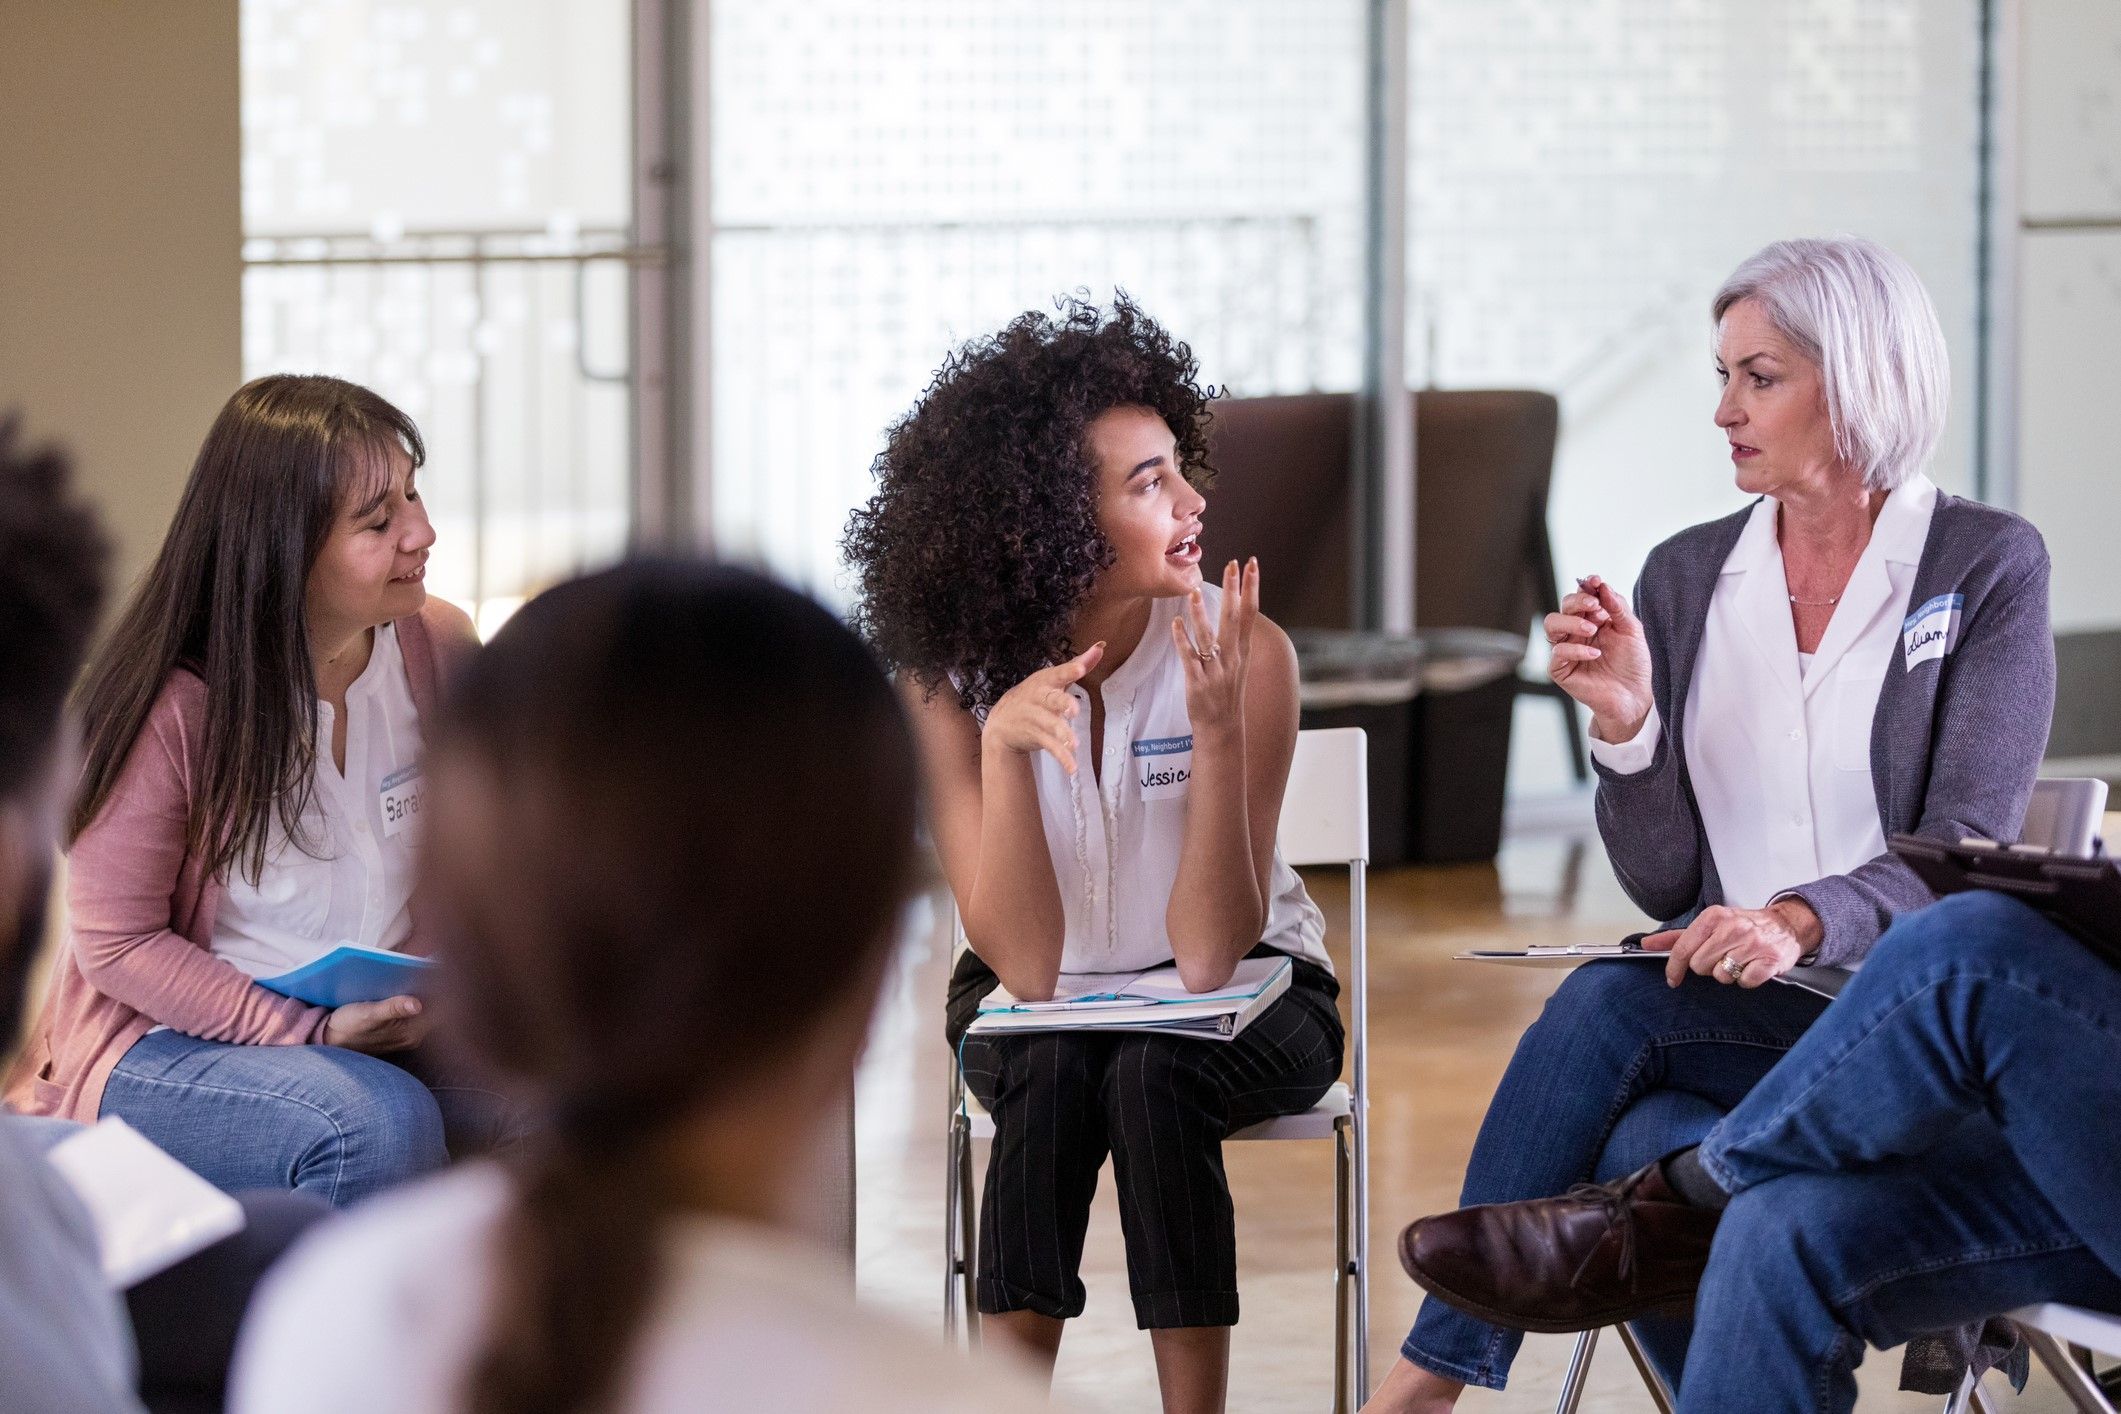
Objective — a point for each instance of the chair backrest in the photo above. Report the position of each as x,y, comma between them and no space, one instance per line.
1281,493
1325,812
2064,815
1482,467
1483,461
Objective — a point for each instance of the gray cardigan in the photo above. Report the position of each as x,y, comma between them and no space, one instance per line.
1955,745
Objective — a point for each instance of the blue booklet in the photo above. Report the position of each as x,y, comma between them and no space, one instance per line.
349,974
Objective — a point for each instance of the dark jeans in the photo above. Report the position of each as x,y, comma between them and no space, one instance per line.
1161,1106
1618,1070
185,1319
1938,1149
319,1119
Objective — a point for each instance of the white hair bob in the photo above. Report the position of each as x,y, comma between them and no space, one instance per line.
1860,313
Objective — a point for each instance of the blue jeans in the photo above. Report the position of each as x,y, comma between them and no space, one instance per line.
1618,1070
320,1119
1938,1149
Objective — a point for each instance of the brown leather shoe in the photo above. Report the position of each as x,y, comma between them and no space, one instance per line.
1601,1254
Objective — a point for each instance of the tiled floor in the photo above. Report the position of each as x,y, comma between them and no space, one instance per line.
1441,1032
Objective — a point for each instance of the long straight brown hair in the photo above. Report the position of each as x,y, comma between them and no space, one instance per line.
697,832
224,599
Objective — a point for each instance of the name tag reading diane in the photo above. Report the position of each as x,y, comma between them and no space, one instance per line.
1163,765
1931,630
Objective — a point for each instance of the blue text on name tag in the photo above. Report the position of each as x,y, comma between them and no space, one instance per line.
1928,632
1163,745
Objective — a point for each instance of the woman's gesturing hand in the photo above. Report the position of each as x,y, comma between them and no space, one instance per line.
1600,658
1038,714
393,1024
1746,947
1215,654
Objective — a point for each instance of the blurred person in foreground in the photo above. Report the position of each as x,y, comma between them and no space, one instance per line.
672,833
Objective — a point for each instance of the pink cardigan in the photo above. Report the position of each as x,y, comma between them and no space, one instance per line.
140,910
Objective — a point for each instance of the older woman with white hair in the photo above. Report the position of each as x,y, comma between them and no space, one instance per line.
1854,655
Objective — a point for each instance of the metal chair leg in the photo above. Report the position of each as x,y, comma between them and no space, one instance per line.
1660,1392
1343,1230
2076,1381
953,1247
1579,1371
1967,1397
968,1233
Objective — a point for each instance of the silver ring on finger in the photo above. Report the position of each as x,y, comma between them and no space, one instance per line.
1733,968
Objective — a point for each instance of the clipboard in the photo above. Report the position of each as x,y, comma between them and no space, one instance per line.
1821,981
2081,895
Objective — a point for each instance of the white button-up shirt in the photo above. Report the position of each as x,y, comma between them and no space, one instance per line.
360,890
1778,744
1115,838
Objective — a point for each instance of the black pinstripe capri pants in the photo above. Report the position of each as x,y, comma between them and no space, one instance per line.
1160,1105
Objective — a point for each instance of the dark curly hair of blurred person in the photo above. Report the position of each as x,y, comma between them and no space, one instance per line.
52,557
982,539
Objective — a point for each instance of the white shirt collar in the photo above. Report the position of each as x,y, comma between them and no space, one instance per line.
1901,531
1903,527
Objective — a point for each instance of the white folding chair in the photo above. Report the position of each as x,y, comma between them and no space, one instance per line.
1325,819
2065,1338
2062,816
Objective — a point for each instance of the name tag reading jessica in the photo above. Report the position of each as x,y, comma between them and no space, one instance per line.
1932,630
1163,765
401,800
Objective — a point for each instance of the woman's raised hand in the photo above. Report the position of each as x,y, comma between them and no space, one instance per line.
1600,658
1038,714
1215,654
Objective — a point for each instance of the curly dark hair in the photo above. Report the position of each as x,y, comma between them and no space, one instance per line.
982,539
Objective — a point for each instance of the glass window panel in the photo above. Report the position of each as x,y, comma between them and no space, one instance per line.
1584,175
891,180
435,193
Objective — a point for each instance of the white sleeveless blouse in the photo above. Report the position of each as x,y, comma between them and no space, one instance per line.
1115,836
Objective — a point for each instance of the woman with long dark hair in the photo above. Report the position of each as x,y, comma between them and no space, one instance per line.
252,754
1106,740
673,830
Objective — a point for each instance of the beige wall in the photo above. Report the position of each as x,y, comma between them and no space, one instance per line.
120,232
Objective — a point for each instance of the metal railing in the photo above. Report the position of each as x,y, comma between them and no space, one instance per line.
510,353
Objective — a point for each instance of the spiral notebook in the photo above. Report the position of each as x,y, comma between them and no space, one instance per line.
1150,1000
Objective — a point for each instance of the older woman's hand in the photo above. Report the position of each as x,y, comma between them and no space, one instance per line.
1746,946
1600,658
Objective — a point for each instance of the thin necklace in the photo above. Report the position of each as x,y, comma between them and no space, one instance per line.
1815,603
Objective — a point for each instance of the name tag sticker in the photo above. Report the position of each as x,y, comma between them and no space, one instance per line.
400,800
1163,765
1932,630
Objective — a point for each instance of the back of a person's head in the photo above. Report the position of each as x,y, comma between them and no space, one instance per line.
52,557
672,826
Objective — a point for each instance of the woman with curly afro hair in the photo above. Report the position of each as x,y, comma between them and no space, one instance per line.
1105,739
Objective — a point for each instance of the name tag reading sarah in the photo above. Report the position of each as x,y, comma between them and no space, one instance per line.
1932,630
1163,765
400,800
